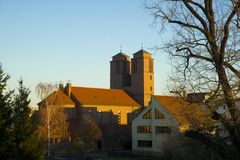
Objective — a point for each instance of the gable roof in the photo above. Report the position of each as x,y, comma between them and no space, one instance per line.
58,98
184,112
97,96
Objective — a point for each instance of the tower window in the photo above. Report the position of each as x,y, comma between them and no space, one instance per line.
151,88
117,67
150,77
151,65
134,65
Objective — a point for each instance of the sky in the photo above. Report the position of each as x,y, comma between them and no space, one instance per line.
74,40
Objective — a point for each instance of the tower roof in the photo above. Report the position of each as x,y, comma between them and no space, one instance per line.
121,56
141,52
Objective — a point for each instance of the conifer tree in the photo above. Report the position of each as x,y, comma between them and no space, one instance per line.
25,137
5,116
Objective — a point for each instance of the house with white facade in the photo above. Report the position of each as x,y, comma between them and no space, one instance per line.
165,119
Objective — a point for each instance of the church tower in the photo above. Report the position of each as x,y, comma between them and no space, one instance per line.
120,71
142,77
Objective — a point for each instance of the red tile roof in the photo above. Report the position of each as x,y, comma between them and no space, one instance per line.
97,96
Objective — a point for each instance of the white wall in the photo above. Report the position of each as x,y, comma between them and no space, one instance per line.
158,140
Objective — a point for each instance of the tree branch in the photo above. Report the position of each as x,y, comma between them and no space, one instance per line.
226,64
226,29
204,24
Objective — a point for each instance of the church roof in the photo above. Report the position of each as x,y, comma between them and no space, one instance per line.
58,98
184,112
97,96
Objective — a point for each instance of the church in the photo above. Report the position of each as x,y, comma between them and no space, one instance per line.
131,88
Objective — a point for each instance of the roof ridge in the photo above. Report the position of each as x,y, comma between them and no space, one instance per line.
142,51
98,88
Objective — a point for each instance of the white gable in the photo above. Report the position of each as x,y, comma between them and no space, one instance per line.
153,136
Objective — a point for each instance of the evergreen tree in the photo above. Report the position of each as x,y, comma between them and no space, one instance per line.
25,138
5,116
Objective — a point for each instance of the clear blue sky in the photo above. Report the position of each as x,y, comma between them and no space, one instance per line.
61,40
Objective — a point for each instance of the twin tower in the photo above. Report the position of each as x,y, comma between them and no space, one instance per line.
135,76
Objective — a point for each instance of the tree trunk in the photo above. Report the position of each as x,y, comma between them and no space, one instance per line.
231,126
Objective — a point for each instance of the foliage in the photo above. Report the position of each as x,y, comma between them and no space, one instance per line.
26,143
5,115
18,136
186,149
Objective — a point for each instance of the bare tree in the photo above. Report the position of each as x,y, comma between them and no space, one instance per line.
53,123
205,49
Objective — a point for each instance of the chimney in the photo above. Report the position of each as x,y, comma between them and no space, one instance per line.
69,89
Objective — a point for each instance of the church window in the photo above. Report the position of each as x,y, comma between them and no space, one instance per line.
150,77
151,88
158,114
136,113
119,117
134,69
110,117
163,129
144,129
89,113
128,117
147,115
100,116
